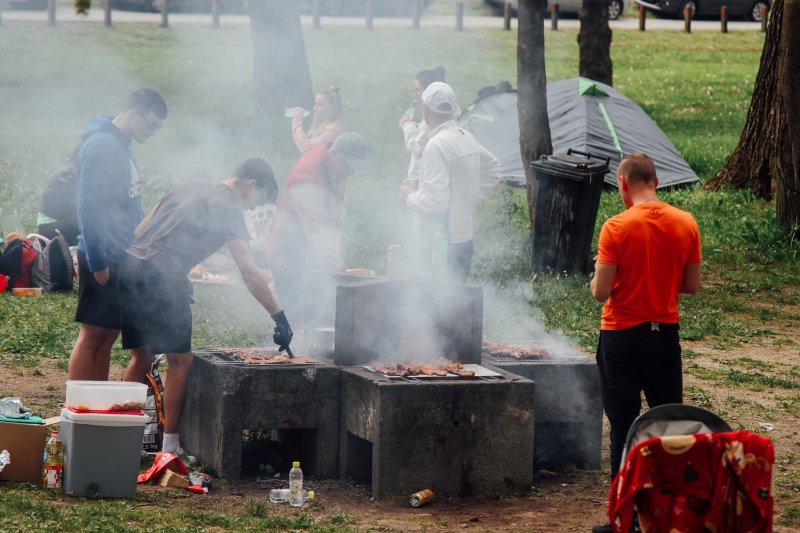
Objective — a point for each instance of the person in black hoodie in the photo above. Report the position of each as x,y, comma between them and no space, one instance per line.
108,209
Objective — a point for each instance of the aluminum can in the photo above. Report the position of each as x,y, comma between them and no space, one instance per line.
423,497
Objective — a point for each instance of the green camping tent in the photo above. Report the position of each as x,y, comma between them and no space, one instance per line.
584,115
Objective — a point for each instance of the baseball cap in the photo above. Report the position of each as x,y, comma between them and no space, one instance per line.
353,146
440,98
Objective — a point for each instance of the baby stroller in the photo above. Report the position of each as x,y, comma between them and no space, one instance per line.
684,470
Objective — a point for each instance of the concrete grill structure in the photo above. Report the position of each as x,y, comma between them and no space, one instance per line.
567,408
225,398
458,437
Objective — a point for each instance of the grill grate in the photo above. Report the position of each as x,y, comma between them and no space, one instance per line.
481,373
222,359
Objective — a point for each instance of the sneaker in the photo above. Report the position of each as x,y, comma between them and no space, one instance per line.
189,460
604,528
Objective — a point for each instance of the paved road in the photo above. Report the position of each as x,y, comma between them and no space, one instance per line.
65,14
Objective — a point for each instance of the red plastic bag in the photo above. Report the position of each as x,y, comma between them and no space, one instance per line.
163,460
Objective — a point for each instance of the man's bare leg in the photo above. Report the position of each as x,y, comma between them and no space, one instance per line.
175,389
91,355
139,365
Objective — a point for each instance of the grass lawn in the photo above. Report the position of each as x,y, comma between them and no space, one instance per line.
697,87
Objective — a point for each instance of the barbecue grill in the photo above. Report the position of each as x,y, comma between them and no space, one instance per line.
567,409
227,398
457,436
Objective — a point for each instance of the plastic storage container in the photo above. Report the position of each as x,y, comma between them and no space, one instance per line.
567,198
103,396
101,453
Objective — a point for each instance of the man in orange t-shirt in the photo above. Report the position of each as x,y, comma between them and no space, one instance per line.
647,256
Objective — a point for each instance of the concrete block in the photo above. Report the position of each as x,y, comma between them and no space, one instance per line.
402,319
224,400
568,409
457,437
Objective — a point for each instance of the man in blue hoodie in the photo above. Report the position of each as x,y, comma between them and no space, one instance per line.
109,207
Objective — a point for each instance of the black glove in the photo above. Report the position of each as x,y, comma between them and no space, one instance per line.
283,331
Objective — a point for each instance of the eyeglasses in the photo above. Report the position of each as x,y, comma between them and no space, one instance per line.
153,126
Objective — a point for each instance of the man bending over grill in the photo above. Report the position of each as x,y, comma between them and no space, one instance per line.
647,256
191,222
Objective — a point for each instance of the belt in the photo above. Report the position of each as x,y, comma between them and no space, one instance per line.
657,326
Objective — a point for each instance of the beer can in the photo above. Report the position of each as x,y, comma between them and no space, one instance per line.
423,497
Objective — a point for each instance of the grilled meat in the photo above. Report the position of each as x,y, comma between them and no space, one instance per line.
515,351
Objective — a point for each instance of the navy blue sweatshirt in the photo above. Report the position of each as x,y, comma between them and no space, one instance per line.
108,194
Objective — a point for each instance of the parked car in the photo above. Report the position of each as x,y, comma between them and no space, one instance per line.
358,7
178,6
707,8
27,5
616,8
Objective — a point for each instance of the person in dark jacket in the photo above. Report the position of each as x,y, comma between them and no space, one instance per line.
108,209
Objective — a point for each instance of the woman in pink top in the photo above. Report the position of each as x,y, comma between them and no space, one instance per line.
324,127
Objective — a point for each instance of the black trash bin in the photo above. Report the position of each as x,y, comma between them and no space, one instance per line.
567,198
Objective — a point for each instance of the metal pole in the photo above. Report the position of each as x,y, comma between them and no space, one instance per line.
165,13
642,17
507,16
687,20
417,13
51,12
107,12
460,16
369,15
315,14
554,17
723,17
215,13
763,19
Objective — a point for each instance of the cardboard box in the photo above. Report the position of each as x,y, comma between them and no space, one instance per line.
25,443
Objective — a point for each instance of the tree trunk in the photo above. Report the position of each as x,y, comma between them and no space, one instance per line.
787,202
594,40
534,125
281,77
761,161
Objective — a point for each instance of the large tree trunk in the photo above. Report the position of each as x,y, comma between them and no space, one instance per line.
763,155
281,76
788,195
594,40
534,125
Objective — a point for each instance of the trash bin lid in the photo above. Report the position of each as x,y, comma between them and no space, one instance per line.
574,167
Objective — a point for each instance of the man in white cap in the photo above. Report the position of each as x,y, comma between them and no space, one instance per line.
457,173
306,233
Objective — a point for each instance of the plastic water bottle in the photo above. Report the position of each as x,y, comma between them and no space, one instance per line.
290,113
54,462
409,113
282,495
295,485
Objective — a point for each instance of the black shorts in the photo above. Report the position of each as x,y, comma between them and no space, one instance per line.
98,305
155,308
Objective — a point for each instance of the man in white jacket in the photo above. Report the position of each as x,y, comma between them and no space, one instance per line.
457,173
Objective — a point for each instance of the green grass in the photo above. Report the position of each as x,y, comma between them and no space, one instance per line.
698,93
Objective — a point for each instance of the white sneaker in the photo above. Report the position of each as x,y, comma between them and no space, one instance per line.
190,460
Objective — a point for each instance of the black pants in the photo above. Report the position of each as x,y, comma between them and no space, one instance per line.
632,361
459,261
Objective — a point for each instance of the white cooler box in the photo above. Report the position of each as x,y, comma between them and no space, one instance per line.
102,453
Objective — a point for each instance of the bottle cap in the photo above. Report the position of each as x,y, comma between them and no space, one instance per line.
296,464
311,495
